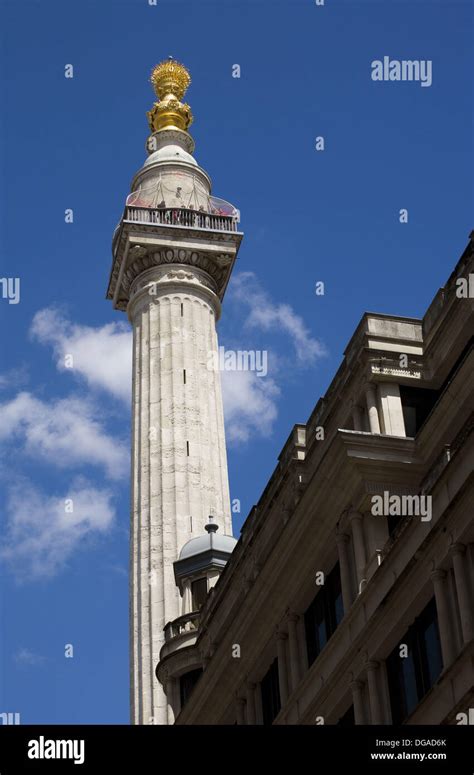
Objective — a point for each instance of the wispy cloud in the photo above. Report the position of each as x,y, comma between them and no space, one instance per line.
27,657
43,531
250,401
249,404
268,315
102,356
66,432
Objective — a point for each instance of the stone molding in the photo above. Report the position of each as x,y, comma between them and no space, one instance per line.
159,283
140,259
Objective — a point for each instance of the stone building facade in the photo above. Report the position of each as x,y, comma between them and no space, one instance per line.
349,597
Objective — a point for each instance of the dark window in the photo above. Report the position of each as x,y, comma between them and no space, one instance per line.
270,690
199,593
324,614
393,521
187,682
411,677
417,403
348,719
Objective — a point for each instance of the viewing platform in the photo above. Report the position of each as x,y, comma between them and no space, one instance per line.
180,216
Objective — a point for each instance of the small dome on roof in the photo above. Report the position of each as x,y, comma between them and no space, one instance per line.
211,540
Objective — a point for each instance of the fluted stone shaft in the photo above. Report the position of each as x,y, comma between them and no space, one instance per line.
179,464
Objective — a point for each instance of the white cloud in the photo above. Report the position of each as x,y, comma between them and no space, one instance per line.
249,404
65,432
102,356
267,315
25,656
42,532
250,401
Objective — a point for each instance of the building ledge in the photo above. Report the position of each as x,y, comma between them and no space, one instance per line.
178,662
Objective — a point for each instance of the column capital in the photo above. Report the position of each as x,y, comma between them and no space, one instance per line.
457,548
354,514
356,685
281,635
240,700
372,665
291,616
438,574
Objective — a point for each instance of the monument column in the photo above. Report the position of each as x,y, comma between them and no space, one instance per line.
173,254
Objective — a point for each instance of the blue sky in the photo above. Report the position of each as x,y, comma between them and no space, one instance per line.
308,216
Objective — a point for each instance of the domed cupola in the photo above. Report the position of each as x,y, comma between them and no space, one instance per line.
200,563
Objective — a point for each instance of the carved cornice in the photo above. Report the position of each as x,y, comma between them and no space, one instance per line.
214,269
213,252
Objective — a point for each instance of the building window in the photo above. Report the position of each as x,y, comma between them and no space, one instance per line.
199,593
411,677
324,614
417,403
270,691
187,682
